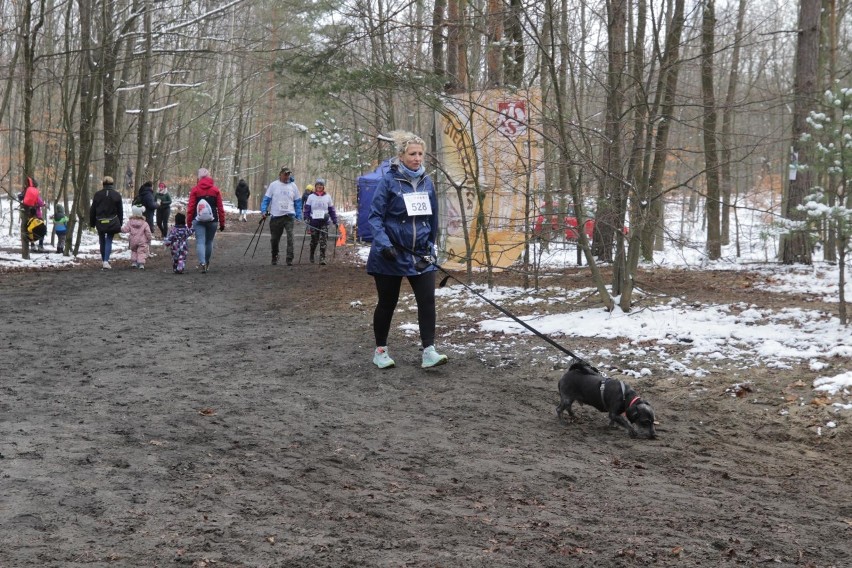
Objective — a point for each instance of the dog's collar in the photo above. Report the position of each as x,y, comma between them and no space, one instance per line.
634,401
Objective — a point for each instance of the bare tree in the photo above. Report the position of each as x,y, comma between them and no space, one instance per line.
711,156
795,247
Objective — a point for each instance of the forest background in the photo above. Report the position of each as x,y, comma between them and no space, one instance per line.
711,106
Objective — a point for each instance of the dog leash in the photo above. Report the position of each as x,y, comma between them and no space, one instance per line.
430,260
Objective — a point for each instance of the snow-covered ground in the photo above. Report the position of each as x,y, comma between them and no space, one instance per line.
754,336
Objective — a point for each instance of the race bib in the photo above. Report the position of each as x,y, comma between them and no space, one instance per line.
318,213
417,203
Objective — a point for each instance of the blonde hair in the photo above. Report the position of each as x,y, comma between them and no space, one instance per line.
403,139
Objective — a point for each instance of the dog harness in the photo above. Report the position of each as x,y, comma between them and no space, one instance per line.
623,395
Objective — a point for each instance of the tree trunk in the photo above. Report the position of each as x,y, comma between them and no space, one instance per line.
142,173
669,68
439,27
494,41
711,157
514,54
611,176
727,127
795,246
29,32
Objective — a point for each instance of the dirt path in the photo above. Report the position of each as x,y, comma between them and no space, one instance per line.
235,419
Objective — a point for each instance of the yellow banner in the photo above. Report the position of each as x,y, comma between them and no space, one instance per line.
490,153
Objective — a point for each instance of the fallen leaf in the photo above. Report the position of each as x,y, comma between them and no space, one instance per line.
270,539
156,442
820,401
800,384
207,412
677,550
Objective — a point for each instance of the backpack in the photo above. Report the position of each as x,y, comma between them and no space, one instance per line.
36,229
204,210
30,194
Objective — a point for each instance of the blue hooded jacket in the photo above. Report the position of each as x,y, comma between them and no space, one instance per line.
392,225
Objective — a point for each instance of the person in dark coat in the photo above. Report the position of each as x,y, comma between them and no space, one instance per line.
404,220
107,215
145,197
242,192
164,207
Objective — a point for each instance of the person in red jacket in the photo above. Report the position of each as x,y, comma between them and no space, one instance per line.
204,212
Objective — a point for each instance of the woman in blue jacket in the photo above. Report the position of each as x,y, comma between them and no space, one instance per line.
404,220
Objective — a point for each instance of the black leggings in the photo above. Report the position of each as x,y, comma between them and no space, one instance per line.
388,290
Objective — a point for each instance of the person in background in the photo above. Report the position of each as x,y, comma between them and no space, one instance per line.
404,219
164,208
106,215
318,211
204,227
309,189
283,202
139,237
39,213
145,198
242,192
60,227
178,242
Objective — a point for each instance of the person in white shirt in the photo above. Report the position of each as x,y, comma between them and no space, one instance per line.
319,210
282,202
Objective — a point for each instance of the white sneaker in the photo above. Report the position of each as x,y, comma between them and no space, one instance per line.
432,358
381,359
106,265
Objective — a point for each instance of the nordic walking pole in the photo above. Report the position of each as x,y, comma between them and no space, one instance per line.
302,249
334,242
262,223
259,225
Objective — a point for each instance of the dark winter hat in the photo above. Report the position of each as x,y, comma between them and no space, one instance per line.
180,219
284,170
108,180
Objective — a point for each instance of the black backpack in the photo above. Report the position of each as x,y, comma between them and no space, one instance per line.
36,229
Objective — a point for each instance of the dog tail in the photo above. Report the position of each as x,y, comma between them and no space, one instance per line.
584,367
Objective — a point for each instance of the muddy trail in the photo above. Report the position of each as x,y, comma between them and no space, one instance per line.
235,419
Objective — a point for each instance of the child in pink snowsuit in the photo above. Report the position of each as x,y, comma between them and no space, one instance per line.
140,237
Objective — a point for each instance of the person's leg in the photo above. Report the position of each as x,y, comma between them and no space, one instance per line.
60,242
423,286
424,292
182,253
211,234
288,226
108,246
314,241
387,289
323,241
201,242
276,229
141,255
102,245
